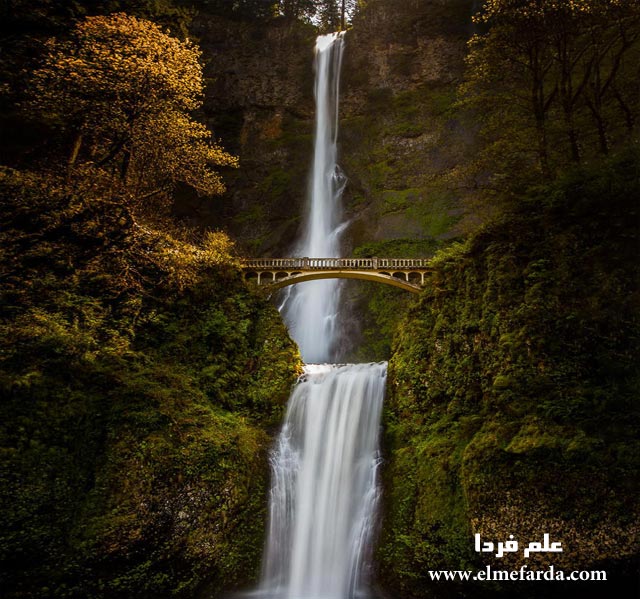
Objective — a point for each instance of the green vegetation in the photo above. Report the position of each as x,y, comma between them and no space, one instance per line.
555,82
514,378
393,157
139,377
513,405
379,306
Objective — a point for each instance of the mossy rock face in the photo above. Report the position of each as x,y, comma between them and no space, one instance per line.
380,306
400,140
398,131
400,134
513,395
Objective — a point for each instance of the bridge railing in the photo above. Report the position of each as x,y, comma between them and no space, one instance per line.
334,263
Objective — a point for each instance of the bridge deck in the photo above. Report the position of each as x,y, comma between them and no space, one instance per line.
337,263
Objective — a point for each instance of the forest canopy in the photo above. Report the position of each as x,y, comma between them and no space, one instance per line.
329,15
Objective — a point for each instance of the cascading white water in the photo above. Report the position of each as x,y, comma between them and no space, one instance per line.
310,310
324,488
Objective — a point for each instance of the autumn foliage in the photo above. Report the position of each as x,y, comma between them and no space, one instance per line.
122,91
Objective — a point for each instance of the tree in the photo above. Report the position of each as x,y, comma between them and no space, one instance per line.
123,90
552,69
329,15
297,9
333,15
239,9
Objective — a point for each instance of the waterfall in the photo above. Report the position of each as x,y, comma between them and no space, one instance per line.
324,487
324,484
310,310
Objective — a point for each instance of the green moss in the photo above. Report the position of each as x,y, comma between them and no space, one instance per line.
379,97
502,382
412,112
513,384
380,307
275,184
377,174
399,200
398,248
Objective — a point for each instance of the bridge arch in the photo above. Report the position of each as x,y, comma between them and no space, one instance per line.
375,277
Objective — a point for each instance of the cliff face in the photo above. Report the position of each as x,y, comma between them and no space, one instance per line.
398,139
259,100
399,136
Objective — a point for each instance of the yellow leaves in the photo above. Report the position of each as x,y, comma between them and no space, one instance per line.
177,148
216,248
127,87
121,60
185,261
537,10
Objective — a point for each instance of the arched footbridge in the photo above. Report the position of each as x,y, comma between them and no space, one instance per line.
274,273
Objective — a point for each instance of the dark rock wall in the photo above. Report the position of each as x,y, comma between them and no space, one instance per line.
259,101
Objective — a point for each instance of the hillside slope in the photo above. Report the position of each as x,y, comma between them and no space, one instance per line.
139,379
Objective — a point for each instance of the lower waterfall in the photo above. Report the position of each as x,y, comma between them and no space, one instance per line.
325,488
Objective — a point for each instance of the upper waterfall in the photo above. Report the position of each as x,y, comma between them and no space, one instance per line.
310,310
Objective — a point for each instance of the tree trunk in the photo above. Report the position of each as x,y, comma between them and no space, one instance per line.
75,151
124,167
628,114
566,94
600,125
573,136
539,106
596,105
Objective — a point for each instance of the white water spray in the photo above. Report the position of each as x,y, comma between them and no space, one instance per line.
310,310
